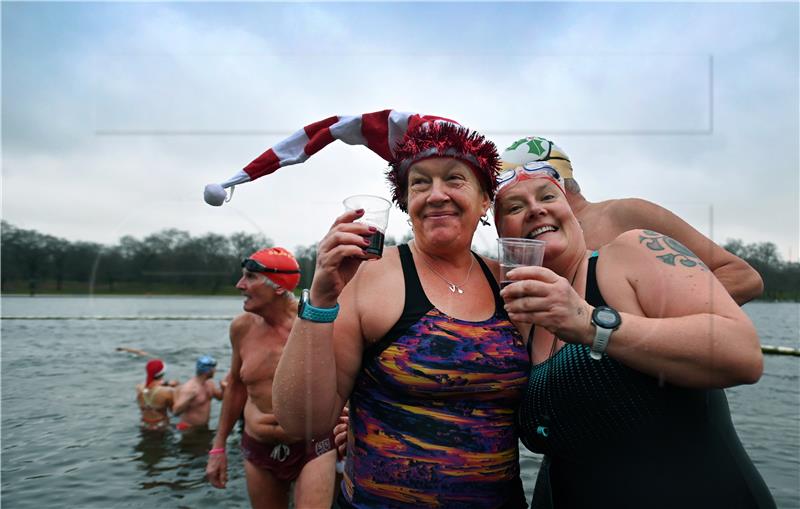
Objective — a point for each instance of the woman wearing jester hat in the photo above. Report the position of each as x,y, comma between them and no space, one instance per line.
421,347
630,347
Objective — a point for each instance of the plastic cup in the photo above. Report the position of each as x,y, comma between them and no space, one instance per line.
516,252
376,213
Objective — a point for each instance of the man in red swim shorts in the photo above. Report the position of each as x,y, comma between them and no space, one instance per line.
273,460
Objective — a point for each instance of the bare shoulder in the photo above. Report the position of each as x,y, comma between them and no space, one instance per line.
657,246
632,213
374,278
390,258
168,394
624,241
373,300
666,277
490,262
493,265
240,325
373,274
637,213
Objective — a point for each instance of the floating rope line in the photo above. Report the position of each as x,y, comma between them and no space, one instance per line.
767,349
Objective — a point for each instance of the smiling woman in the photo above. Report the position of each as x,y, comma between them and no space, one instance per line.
433,373
663,337
445,202
534,206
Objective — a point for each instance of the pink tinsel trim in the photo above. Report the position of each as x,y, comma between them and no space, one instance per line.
442,139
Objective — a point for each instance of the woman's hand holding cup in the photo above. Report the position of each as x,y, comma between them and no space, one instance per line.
543,298
339,254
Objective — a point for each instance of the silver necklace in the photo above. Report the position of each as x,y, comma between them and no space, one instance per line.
453,287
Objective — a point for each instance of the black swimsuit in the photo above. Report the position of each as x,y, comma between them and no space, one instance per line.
618,438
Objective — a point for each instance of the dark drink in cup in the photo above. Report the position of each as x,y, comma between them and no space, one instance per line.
504,269
375,214
375,244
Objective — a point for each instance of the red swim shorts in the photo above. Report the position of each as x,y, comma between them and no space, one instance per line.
284,461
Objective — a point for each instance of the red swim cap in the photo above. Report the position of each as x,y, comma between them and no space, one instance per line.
155,368
280,259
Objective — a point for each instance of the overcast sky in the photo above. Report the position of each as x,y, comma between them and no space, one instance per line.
115,115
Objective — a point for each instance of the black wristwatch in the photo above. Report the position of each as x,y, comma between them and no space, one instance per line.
605,320
306,311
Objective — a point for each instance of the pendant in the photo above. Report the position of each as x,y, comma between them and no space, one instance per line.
453,288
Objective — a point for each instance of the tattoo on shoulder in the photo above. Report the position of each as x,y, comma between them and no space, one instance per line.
675,251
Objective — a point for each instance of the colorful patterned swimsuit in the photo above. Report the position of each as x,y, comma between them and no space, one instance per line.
432,410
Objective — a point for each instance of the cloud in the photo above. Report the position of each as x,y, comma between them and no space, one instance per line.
115,125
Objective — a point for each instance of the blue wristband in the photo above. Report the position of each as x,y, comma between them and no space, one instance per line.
306,311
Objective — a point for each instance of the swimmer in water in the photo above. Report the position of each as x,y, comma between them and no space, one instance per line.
193,399
155,398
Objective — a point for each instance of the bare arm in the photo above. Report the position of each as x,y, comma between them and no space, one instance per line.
233,403
678,322
183,397
271,432
217,391
236,393
700,336
139,389
740,280
134,351
169,398
319,363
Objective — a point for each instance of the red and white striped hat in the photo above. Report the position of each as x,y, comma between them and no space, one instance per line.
400,138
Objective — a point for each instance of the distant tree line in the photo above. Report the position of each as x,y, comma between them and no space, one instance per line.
781,278
174,262
170,261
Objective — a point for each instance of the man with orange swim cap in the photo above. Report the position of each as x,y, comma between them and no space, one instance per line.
273,460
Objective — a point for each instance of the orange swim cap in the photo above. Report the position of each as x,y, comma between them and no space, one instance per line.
279,259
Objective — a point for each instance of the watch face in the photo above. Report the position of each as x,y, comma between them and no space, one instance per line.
606,317
303,300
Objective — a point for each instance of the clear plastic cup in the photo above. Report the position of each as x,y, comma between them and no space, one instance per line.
376,213
516,252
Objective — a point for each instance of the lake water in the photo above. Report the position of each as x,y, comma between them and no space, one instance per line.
69,421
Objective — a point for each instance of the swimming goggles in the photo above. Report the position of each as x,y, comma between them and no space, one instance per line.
256,266
533,169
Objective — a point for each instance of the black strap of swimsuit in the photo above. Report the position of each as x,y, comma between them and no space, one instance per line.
415,307
498,301
416,303
416,300
593,295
